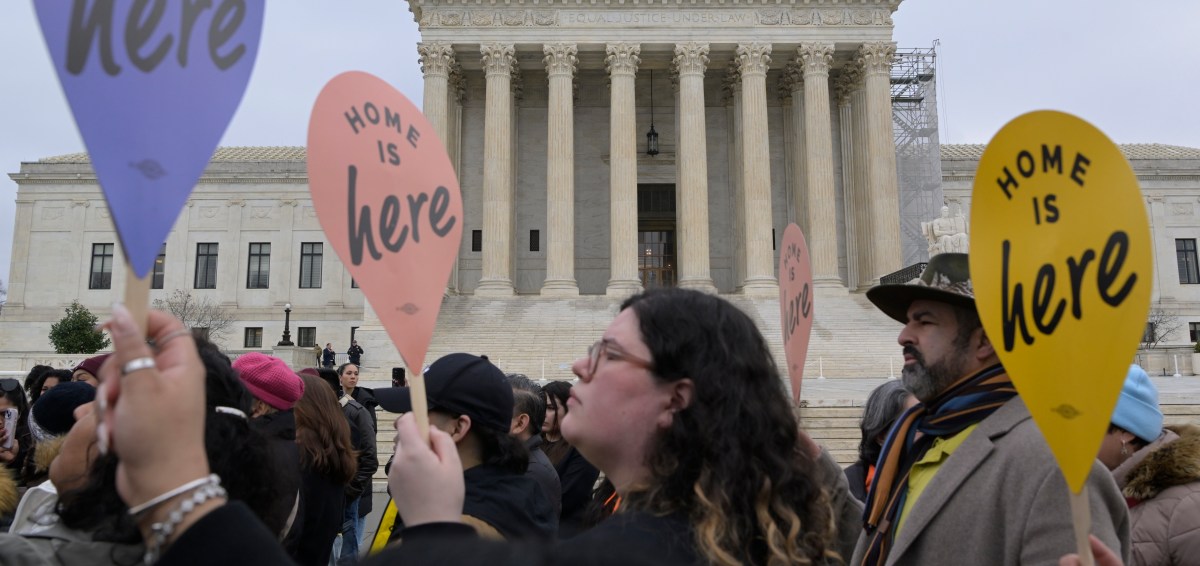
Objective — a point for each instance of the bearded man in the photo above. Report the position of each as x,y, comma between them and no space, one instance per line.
965,476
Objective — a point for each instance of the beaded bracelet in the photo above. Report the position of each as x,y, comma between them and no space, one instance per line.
156,501
161,531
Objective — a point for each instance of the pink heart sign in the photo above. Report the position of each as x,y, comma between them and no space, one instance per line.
795,303
388,199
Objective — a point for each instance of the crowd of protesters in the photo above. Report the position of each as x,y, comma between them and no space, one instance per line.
677,445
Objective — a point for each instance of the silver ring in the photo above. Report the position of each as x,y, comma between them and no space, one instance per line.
138,364
160,342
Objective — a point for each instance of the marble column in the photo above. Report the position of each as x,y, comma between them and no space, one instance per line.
560,60
692,156
733,100
882,183
794,75
843,89
622,61
818,142
437,59
497,281
752,61
861,198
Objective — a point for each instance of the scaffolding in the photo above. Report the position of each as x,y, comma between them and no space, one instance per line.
918,151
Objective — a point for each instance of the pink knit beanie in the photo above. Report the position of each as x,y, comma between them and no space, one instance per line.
269,379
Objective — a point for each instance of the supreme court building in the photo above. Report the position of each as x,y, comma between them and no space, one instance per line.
607,146
602,147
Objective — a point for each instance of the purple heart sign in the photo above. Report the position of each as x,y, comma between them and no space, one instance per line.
153,84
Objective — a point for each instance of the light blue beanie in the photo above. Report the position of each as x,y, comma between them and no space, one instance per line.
1137,407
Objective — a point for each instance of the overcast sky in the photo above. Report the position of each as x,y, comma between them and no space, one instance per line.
1131,69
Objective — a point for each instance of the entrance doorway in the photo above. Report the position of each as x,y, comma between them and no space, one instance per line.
656,235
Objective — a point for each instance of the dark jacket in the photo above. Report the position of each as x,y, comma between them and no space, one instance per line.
319,518
856,475
366,397
543,472
354,354
280,430
627,539
328,356
501,504
362,437
578,477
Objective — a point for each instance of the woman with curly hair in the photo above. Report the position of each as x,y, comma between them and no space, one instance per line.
327,464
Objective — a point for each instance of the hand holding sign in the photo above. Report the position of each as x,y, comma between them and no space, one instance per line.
795,303
1060,257
153,87
388,200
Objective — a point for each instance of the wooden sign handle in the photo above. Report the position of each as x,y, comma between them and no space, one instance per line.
137,297
420,405
1082,517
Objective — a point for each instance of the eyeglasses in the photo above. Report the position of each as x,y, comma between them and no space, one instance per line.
9,384
597,351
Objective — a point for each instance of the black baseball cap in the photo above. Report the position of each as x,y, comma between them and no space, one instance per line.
461,384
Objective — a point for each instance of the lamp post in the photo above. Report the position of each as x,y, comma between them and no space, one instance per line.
287,332
652,136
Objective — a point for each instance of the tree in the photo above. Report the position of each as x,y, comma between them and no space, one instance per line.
75,333
202,315
1159,325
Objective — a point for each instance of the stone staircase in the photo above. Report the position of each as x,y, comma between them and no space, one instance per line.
541,336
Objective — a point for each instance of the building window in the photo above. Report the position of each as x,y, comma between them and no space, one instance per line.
353,283
310,265
102,260
206,266
353,331
1149,335
253,337
258,269
306,336
1185,253
160,264
1194,333
476,240
535,241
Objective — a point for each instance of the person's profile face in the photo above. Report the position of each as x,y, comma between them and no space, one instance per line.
48,384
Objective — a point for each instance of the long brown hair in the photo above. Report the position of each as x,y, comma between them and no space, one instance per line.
323,433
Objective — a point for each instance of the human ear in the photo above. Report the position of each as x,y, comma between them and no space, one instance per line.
519,424
985,349
679,397
462,425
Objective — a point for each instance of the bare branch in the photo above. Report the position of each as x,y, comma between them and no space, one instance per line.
197,313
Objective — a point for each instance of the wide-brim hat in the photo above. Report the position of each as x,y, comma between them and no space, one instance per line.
947,278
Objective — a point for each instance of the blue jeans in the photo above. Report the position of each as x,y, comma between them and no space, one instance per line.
350,534
360,528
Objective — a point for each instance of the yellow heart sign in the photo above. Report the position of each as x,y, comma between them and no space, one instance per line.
1061,263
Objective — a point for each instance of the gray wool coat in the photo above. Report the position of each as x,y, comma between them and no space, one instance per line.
1001,500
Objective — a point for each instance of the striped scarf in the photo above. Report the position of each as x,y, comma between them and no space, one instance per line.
967,402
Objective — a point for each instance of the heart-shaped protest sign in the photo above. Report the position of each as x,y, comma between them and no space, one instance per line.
795,303
388,200
153,85
1061,264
